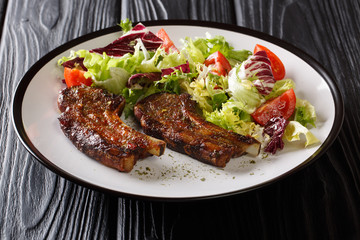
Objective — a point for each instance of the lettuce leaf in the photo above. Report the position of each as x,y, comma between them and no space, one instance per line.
117,81
99,65
207,89
172,82
131,97
195,55
280,87
304,112
232,118
200,48
244,92
294,130
142,61
126,25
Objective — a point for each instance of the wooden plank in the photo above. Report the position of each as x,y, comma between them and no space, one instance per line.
36,203
213,10
3,6
308,204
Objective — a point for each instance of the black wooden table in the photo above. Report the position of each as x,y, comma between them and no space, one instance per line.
322,201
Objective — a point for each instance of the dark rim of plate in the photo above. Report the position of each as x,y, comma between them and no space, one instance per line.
25,81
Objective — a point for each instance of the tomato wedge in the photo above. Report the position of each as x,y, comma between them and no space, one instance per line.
277,66
75,77
218,63
167,44
281,106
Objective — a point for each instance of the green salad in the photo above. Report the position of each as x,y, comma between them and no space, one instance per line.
240,90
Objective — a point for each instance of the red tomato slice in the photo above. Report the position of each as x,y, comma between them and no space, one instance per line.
75,77
281,106
167,44
277,66
219,64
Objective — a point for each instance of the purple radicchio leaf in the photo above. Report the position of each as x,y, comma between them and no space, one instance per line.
185,68
125,44
259,65
275,128
73,63
140,80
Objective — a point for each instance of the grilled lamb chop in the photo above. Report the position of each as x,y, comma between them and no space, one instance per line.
174,119
90,119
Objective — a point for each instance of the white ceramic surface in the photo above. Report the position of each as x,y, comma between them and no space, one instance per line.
173,175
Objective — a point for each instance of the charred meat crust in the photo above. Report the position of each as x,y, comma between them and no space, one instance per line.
90,118
174,119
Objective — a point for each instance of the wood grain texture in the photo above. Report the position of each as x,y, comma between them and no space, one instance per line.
309,204
322,201
36,203
212,10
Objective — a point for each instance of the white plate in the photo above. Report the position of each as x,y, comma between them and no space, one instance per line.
172,176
